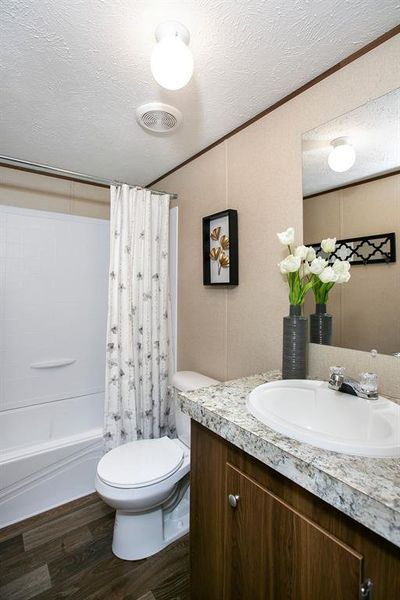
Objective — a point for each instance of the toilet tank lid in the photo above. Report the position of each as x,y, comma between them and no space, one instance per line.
186,381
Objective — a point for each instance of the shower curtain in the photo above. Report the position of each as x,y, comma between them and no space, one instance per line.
138,404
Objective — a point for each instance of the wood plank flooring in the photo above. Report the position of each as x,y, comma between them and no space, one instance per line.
65,553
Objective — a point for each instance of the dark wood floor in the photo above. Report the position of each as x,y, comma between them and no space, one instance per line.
66,553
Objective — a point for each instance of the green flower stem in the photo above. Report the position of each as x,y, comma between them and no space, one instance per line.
298,286
321,290
298,289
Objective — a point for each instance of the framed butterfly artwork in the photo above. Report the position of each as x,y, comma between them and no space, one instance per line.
221,248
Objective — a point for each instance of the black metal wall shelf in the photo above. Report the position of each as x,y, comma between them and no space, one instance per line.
365,250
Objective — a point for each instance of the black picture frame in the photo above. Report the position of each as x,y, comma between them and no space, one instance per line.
231,216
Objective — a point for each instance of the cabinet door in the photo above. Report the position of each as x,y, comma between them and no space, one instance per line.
273,553
207,514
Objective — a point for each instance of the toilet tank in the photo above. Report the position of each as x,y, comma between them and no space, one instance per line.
187,381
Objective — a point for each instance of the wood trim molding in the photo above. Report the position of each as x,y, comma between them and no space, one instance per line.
343,63
355,183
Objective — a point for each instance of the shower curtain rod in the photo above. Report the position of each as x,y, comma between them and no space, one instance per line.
32,167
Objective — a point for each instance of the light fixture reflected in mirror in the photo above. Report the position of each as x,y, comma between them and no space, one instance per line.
342,155
172,60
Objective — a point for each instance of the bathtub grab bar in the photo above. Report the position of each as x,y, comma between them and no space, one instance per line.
51,364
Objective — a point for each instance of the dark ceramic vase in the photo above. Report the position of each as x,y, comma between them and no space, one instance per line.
294,358
321,326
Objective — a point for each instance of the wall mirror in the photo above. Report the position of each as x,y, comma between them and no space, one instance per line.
351,191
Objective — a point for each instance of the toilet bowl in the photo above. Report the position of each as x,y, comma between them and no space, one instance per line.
147,482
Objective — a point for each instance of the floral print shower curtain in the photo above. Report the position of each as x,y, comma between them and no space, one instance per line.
137,401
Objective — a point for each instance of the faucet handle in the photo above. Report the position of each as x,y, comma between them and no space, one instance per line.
336,377
369,383
337,371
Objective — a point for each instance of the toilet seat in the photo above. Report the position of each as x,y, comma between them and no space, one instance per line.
140,463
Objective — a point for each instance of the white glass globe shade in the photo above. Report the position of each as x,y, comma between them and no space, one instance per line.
342,158
172,63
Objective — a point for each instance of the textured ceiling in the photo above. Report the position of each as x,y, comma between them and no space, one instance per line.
374,131
74,71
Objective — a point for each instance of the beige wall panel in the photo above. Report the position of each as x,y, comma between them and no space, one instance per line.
90,201
371,304
90,193
201,186
322,217
371,309
31,190
257,305
280,174
85,208
372,207
28,190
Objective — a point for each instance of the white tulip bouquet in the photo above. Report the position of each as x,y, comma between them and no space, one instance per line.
305,271
326,276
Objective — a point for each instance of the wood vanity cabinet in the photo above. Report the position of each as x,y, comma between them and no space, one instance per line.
276,541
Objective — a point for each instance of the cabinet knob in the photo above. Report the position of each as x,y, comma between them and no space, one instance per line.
366,589
233,500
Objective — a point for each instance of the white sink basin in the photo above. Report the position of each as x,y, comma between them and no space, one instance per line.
310,412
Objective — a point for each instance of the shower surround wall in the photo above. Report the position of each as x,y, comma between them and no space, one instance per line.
53,299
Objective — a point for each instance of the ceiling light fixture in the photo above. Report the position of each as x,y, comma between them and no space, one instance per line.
171,59
342,155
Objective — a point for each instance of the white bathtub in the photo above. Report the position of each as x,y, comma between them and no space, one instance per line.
48,455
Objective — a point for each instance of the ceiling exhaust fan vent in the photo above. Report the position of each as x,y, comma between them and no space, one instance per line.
158,118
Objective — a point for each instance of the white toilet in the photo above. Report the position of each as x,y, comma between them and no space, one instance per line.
147,481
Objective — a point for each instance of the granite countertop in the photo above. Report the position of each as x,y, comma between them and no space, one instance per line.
366,489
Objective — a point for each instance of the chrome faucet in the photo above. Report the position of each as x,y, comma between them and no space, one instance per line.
366,388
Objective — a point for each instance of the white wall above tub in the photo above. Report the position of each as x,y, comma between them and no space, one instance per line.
53,299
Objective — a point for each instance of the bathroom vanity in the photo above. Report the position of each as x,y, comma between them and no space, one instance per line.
279,519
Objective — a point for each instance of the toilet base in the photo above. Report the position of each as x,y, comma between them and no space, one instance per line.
137,536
